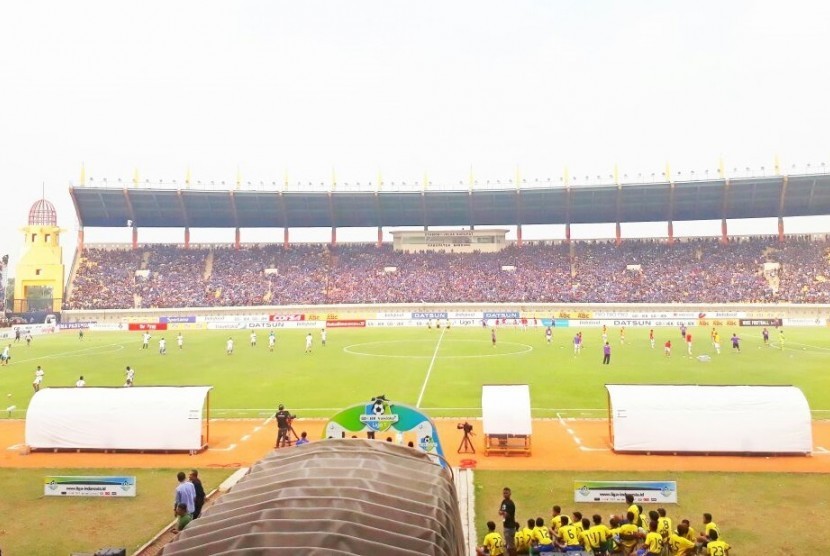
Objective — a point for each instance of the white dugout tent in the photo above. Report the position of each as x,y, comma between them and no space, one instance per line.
709,419
158,418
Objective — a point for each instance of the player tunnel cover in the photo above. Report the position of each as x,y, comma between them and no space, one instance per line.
381,416
338,496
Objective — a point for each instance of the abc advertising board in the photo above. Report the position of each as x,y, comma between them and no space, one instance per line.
571,315
345,324
133,326
286,318
717,322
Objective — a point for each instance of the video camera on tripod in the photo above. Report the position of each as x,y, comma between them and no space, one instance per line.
466,446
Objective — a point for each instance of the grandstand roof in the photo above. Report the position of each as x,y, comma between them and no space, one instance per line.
802,195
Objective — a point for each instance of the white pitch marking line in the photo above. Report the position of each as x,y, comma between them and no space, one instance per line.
822,449
246,437
14,446
228,449
257,429
431,365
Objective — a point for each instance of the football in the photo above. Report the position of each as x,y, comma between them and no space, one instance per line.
377,408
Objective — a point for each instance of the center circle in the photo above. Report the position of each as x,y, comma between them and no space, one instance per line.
425,349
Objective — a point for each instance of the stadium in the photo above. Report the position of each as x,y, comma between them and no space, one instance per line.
451,324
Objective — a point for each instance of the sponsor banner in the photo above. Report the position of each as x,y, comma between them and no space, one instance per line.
500,315
286,318
717,322
147,326
80,485
466,315
77,325
636,323
722,315
760,322
805,322
340,316
579,315
177,319
233,318
642,315
345,324
225,325
646,492
187,326
556,323
140,319
399,315
429,316
375,323
108,326
33,329
265,324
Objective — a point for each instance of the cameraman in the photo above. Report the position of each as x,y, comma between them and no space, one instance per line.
283,418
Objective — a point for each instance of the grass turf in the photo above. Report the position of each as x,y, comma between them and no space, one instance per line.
36,524
444,370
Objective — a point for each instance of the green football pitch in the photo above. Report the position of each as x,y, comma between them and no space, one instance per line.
439,370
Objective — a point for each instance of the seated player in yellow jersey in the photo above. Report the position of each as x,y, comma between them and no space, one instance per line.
679,543
716,547
596,537
663,523
634,508
556,520
569,536
576,521
541,538
493,544
523,537
691,534
629,535
708,525
654,540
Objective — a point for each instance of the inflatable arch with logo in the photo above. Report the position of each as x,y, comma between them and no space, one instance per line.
384,417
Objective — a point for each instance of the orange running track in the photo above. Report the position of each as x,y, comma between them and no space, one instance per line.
557,445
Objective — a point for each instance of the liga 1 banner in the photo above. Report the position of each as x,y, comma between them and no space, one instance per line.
80,485
614,491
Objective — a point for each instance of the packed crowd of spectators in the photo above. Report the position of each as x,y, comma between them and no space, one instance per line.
636,271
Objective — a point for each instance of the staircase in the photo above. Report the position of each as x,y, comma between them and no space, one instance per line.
208,266
145,260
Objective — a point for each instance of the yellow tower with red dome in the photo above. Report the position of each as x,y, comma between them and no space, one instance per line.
41,264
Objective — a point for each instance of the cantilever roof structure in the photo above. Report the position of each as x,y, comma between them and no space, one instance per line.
801,195
337,496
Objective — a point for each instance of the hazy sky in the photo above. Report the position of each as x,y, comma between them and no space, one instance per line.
401,88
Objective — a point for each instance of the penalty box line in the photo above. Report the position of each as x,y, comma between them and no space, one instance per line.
431,365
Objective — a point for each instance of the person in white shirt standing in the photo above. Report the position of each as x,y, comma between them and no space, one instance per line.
38,378
272,340
253,338
323,337
81,382
162,347
130,372
308,341
229,346
180,340
145,340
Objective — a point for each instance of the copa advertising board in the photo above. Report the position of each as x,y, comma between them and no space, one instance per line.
615,491
81,485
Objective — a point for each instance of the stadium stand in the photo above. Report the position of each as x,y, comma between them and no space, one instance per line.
636,271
